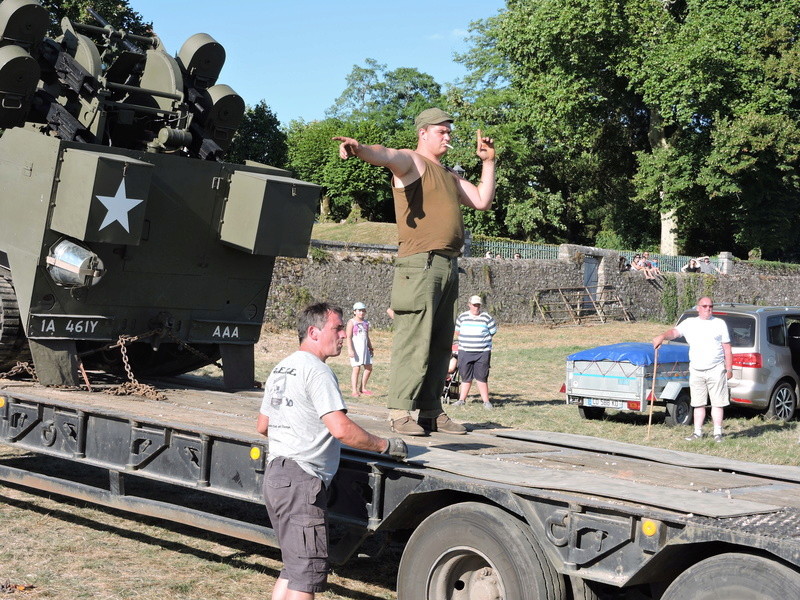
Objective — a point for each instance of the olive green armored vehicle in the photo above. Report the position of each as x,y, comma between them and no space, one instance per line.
125,239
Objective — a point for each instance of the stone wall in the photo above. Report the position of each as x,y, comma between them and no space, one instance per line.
508,286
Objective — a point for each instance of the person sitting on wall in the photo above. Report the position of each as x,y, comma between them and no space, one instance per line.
652,264
691,267
638,264
706,266
624,265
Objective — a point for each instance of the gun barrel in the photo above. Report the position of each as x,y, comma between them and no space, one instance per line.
97,17
107,28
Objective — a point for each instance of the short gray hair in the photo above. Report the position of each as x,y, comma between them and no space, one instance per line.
315,315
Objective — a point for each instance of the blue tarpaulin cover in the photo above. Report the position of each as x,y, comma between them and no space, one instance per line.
637,353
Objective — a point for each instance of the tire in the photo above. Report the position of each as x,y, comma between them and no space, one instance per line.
735,576
680,411
475,551
583,589
591,413
782,402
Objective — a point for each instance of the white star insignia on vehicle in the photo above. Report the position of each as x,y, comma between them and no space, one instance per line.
118,207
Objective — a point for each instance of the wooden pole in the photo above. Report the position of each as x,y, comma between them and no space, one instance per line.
652,393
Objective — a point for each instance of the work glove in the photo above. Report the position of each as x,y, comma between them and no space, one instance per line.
396,449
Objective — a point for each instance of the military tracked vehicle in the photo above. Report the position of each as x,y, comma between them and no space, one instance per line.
123,232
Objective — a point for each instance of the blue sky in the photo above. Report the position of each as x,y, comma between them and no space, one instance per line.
296,54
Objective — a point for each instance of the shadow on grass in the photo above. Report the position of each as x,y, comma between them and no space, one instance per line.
535,403
362,569
764,428
517,400
486,425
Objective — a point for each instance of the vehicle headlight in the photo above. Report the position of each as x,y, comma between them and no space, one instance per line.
71,265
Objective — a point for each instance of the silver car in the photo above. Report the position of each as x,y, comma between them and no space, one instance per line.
765,341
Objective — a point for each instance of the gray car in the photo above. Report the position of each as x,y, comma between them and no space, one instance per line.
765,341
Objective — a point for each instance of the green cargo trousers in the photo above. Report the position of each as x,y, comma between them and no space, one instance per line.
424,295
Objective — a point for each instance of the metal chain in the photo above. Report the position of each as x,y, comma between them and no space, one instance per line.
193,350
20,367
126,339
123,339
137,389
132,386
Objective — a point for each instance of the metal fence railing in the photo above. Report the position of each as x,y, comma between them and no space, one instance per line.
507,249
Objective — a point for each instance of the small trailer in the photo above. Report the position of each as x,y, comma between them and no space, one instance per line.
620,377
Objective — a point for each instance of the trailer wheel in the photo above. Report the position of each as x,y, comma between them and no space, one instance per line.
735,576
474,551
680,412
782,402
591,413
583,589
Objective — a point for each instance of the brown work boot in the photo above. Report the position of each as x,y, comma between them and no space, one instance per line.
406,426
441,423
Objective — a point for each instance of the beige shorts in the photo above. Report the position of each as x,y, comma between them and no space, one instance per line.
709,384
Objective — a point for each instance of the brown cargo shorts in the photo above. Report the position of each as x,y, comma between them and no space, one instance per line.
297,507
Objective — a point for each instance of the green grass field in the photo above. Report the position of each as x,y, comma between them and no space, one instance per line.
528,368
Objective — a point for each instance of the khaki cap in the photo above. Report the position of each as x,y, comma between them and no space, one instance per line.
431,116
475,300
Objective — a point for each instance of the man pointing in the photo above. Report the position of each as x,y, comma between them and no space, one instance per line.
427,199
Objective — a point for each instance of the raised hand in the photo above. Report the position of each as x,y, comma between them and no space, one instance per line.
485,149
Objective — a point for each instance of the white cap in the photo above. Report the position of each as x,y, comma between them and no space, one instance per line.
359,306
475,300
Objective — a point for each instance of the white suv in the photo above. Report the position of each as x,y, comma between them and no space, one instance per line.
765,341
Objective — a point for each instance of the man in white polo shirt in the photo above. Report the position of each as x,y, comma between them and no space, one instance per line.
710,364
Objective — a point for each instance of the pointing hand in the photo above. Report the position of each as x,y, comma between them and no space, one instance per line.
347,148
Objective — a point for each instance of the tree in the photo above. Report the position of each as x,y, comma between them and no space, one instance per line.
117,12
352,189
390,99
631,114
717,69
563,168
310,149
259,138
377,107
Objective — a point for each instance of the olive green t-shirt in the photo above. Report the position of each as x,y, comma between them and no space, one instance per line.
428,213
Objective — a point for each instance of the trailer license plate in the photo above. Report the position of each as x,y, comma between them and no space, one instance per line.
602,402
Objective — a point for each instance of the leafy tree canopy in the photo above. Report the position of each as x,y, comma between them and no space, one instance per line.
391,99
117,12
259,138
612,114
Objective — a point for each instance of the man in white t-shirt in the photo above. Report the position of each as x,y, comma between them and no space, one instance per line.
710,364
304,416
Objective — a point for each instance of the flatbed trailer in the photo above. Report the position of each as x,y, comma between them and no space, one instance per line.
501,513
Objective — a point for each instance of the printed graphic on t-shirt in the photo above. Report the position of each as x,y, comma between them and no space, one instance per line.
277,392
